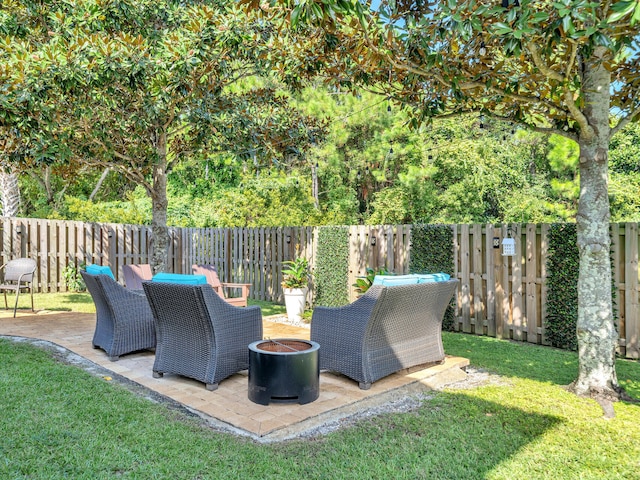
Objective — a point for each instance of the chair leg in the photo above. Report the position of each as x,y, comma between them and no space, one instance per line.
364,385
6,307
15,307
211,386
31,290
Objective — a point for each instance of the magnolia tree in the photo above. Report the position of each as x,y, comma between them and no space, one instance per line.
138,85
568,67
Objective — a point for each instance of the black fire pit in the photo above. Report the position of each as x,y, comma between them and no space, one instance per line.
284,370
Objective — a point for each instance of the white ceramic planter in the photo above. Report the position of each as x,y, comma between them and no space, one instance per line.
295,300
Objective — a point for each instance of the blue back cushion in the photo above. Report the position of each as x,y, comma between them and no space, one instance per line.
99,270
179,278
432,277
391,280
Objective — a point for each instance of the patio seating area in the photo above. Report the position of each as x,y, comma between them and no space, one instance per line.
228,408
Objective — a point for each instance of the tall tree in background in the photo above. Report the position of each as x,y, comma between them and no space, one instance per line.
9,192
568,67
9,187
137,85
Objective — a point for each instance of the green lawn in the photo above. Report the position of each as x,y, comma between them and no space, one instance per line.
60,422
81,302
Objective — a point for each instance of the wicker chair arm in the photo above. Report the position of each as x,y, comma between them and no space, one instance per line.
227,318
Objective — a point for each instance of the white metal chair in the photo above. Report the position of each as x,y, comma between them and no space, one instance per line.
18,274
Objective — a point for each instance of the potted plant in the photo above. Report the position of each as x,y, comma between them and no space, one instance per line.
295,284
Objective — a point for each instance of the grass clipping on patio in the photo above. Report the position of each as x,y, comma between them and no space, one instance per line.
59,421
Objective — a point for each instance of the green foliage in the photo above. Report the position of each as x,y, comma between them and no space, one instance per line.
364,283
624,200
391,206
432,252
498,176
624,151
431,249
297,274
563,267
72,278
332,267
134,212
266,200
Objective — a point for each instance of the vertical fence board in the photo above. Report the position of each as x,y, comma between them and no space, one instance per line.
516,290
478,294
506,293
33,242
632,325
494,288
43,235
274,272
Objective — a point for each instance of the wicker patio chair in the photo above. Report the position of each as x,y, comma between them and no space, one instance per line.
18,274
223,288
134,275
385,330
200,335
124,322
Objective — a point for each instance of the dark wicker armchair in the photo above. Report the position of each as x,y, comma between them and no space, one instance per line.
384,331
199,334
124,322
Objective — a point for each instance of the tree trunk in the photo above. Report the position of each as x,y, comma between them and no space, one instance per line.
10,192
596,332
45,182
314,186
159,231
103,177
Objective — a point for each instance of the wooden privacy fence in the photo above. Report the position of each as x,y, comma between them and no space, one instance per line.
498,296
505,296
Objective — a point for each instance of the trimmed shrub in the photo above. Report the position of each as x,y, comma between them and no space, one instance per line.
563,267
332,267
432,252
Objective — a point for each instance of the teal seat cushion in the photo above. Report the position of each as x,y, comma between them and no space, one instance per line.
391,280
179,278
432,277
99,270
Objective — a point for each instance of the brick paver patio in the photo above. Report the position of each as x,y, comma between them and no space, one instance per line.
228,407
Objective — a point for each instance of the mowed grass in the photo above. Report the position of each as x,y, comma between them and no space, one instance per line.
82,302
59,421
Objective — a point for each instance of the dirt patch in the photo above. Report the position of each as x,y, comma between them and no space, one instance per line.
478,377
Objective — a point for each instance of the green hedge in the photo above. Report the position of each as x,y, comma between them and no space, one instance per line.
432,252
563,267
332,267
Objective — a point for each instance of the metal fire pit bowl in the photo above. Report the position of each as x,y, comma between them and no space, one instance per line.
284,370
